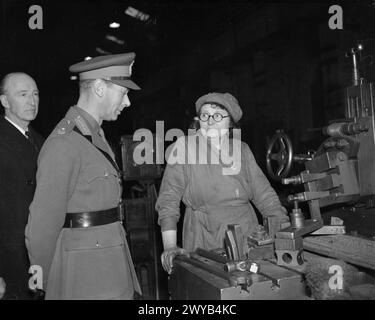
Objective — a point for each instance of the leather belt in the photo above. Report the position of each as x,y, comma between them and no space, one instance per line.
93,218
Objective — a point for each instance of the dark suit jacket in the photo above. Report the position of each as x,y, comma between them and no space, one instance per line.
18,162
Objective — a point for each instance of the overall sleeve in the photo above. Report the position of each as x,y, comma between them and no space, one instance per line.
171,191
56,178
264,196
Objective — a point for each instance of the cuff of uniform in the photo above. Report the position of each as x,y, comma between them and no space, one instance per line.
168,224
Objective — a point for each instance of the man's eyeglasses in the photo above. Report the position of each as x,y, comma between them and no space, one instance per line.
216,116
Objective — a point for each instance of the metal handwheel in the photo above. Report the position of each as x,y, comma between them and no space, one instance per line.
280,150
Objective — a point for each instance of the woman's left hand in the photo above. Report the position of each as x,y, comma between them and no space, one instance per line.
168,255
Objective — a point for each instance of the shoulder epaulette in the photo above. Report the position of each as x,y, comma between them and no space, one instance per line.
65,126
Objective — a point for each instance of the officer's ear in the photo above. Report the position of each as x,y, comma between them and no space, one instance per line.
99,87
4,101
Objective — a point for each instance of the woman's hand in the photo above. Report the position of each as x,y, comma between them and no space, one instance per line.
168,255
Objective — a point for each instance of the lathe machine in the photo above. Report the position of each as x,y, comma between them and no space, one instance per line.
340,173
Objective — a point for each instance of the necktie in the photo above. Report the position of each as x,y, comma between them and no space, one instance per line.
32,140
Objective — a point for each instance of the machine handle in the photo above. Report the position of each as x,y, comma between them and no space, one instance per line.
283,157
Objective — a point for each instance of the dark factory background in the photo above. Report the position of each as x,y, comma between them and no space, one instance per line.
281,60
287,68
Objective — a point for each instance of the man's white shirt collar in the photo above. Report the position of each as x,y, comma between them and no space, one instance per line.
17,126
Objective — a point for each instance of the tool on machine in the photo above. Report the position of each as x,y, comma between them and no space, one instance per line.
202,262
245,265
259,243
235,243
243,279
234,266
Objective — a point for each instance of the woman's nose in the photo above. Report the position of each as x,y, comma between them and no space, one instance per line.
211,121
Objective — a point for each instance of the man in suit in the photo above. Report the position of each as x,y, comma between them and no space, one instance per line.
75,231
19,148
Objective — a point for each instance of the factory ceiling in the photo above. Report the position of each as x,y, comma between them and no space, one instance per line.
73,30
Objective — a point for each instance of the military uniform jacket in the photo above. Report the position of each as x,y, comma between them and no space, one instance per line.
73,176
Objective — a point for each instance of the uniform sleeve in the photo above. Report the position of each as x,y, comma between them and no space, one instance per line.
170,195
56,178
264,196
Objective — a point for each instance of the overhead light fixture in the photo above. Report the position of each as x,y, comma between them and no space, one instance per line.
73,78
87,58
114,39
135,13
114,25
101,51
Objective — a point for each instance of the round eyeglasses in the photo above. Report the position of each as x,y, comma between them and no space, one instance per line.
216,116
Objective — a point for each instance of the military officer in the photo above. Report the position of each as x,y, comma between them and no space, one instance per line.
74,232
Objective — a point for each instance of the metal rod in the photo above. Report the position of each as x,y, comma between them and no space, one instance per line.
210,255
218,272
355,68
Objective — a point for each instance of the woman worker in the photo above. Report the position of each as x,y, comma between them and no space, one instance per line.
213,197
